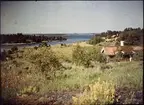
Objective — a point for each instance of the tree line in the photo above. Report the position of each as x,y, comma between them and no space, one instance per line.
131,36
20,38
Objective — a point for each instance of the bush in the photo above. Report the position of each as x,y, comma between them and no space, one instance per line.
43,44
118,56
9,52
35,47
45,59
3,55
8,93
28,91
63,44
132,37
14,48
80,56
49,45
98,93
95,40
117,43
97,56
138,55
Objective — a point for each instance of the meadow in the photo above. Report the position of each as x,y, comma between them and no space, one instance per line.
69,75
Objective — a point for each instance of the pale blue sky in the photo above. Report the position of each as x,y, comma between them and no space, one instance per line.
70,16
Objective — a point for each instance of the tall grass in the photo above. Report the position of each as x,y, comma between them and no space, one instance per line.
45,69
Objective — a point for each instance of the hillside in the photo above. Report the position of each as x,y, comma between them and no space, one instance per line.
131,36
73,74
59,74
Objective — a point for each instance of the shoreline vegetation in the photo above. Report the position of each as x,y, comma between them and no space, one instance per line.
24,38
16,44
73,74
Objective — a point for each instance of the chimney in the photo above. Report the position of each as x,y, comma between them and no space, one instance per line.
121,43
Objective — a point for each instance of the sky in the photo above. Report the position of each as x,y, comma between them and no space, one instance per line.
70,16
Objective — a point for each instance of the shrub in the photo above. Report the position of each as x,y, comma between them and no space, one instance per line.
14,48
97,93
48,45
138,55
28,90
106,67
97,56
117,43
45,59
118,56
3,55
63,44
9,52
80,56
43,44
95,40
8,93
35,47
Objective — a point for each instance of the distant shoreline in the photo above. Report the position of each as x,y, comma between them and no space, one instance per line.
9,45
13,44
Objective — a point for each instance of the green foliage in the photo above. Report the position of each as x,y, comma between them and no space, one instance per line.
3,55
84,56
95,40
63,44
108,36
35,47
9,52
80,56
28,41
132,36
117,43
43,44
118,56
20,38
95,55
99,93
138,55
14,48
45,59
8,93
28,90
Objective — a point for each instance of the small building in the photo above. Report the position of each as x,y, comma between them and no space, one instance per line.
109,51
126,51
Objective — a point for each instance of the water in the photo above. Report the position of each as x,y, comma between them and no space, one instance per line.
70,39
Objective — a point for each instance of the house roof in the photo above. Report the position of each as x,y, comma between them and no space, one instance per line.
110,50
127,49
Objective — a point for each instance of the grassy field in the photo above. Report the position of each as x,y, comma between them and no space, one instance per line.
49,75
